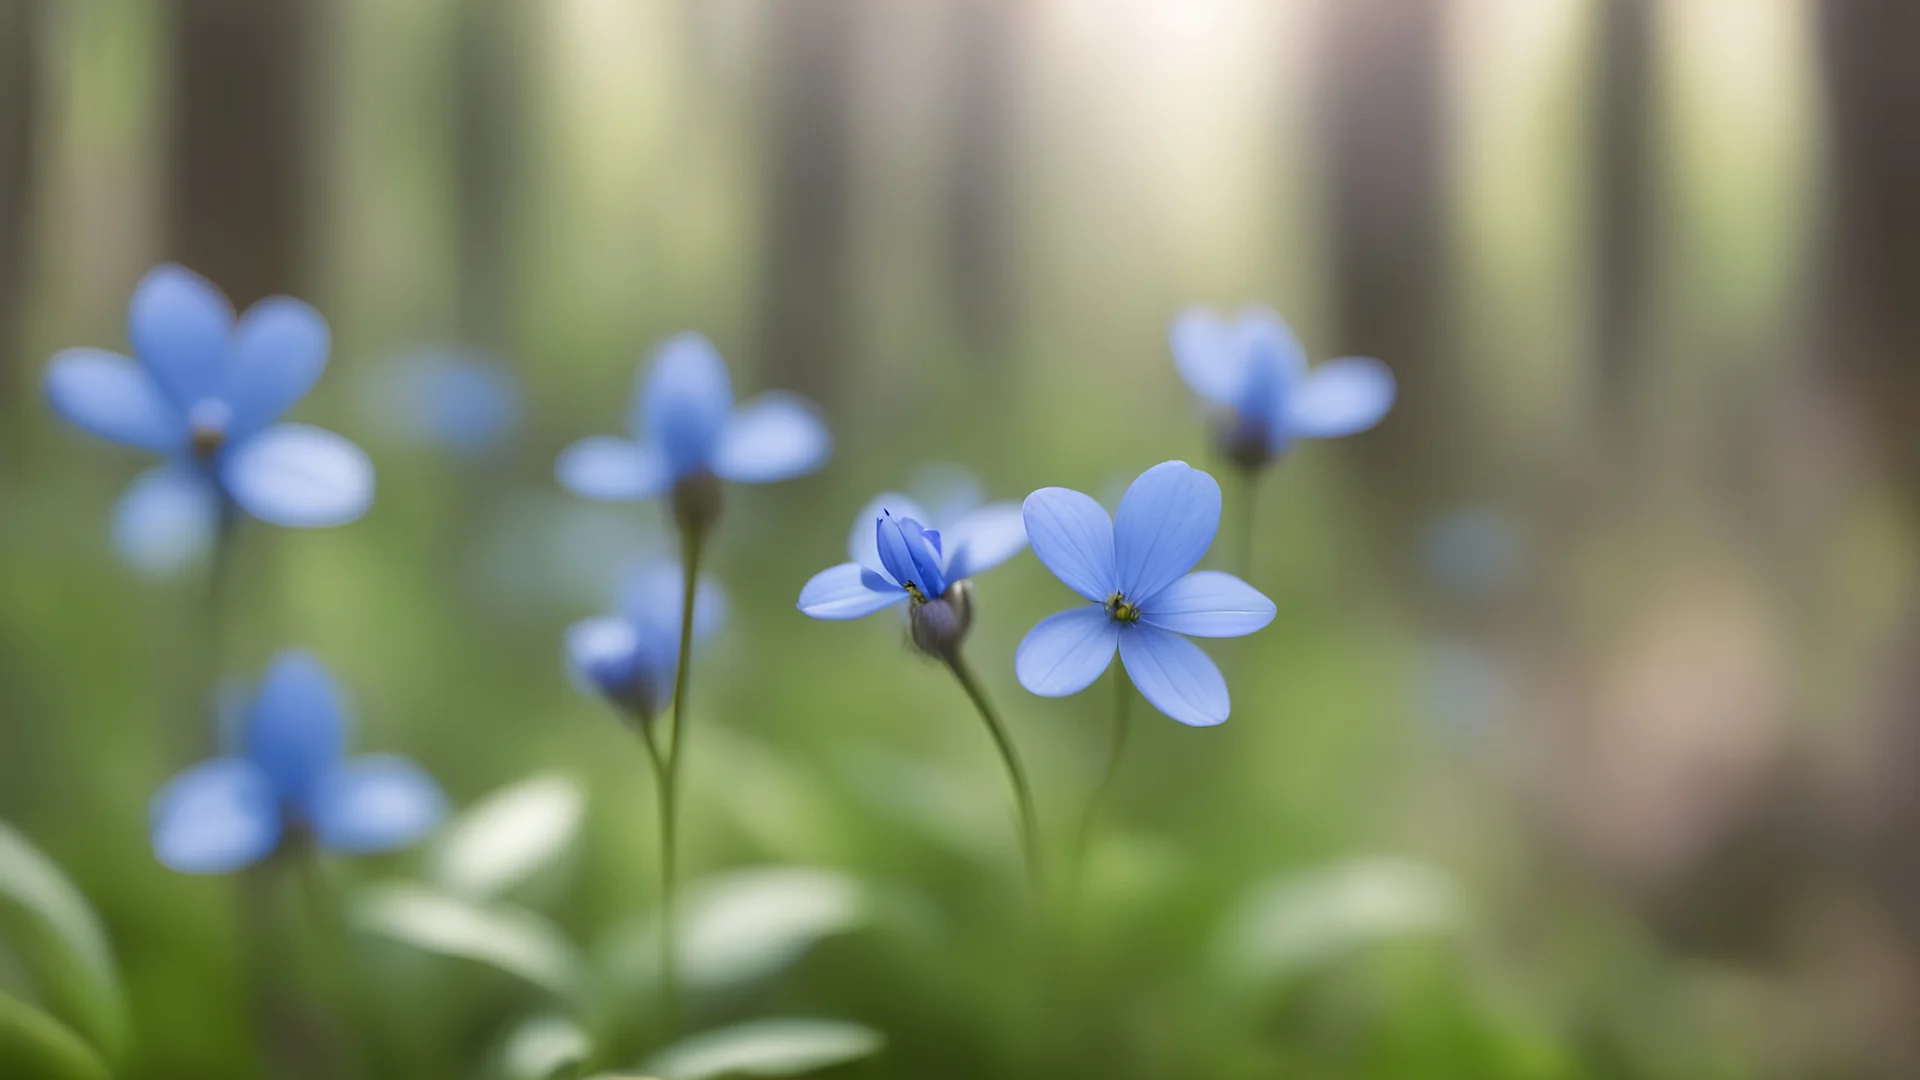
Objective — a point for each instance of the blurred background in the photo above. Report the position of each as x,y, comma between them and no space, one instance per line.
1585,742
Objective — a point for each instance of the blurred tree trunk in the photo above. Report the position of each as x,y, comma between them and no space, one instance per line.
1622,149
805,284
19,22
977,229
237,159
1385,128
489,85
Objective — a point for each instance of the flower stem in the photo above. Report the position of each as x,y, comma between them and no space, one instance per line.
690,543
1022,793
1249,499
1122,724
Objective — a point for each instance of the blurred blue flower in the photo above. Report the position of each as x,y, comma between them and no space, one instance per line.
894,557
685,427
628,657
287,770
1252,369
1134,568
456,399
205,392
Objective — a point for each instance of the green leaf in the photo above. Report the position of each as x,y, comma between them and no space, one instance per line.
1298,922
766,1048
34,1044
543,1047
511,939
62,941
509,836
749,924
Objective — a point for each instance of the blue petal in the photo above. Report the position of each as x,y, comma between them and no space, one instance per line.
299,476
861,547
167,519
1272,362
112,397
601,654
1174,675
1204,352
907,555
297,729
217,816
375,803
775,436
603,467
1066,652
279,349
651,598
179,325
1073,537
1166,522
1208,603
685,404
984,539
848,591
1341,397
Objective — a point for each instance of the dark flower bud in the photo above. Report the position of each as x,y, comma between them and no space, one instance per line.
938,626
696,502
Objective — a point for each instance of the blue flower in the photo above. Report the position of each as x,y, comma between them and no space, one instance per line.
895,557
1134,568
1253,370
685,428
206,392
628,658
448,397
287,772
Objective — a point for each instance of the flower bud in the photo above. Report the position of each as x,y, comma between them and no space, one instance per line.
696,502
937,627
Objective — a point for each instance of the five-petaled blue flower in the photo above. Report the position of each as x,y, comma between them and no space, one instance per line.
629,657
206,392
1253,370
1134,568
686,430
288,772
896,556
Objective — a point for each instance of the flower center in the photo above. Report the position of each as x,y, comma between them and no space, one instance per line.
1119,610
207,427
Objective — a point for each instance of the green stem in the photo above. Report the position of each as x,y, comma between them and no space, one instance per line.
1122,724
1249,499
1022,793
690,539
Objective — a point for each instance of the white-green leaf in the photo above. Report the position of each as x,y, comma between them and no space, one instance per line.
1297,922
61,939
34,1044
512,939
542,1046
749,924
509,836
766,1048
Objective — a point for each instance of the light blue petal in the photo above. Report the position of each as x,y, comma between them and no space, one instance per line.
1174,675
375,803
651,599
1204,352
861,547
167,520
279,349
1272,362
297,728
1066,652
984,539
1166,522
179,325
1208,603
1341,397
685,404
604,467
114,398
1073,537
299,476
775,436
848,591
217,816
600,654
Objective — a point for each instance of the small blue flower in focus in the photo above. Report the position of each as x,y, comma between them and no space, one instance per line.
455,399
206,392
686,433
288,772
1252,370
628,657
1134,568
895,558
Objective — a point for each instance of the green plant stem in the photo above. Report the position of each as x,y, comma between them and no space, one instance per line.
690,544
1022,793
1116,748
1249,500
